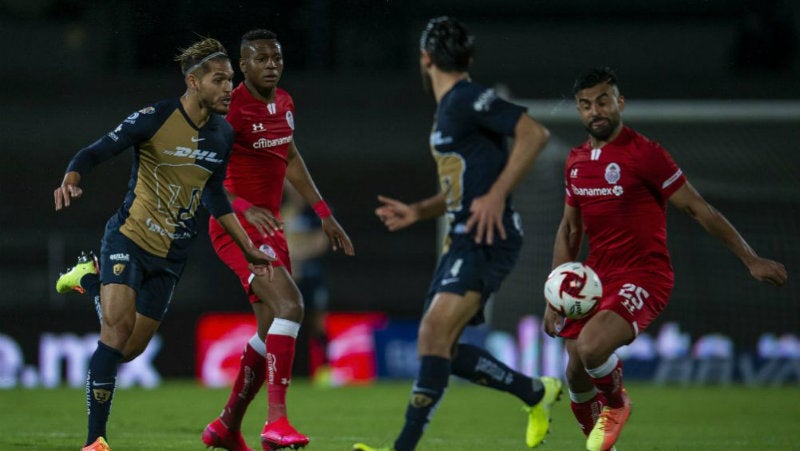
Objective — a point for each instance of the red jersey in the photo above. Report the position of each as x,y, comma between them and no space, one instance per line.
263,132
622,191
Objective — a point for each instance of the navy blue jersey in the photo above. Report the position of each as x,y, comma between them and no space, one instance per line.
176,167
468,142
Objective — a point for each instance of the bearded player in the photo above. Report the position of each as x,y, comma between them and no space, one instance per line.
264,154
618,183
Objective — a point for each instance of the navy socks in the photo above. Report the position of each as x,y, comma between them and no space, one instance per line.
100,384
425,396
91,283
477,365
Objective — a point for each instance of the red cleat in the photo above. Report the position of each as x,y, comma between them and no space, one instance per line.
217,435
281,434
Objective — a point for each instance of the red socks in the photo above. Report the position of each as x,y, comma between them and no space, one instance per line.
255,368
251,376
608,379
281,340
587,407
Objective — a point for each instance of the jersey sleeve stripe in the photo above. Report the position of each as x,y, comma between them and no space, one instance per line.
672,179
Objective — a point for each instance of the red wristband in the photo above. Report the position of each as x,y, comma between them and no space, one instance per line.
322,210
240,205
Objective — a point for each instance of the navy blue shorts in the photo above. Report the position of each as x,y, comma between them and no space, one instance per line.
467,266
153,278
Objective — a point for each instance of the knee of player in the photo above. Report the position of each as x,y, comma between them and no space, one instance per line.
575,373
591,352
131,354
291,309
116,334
432,341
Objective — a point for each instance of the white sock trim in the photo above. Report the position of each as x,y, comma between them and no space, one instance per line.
282,326
604,369
258,345
582,397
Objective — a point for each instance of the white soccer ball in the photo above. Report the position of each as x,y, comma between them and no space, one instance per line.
573,289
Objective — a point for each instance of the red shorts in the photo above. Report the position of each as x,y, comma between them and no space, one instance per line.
637,296
231,255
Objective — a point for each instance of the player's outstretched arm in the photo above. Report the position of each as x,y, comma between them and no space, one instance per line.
298,175
68,190
105,148
687,199
397,215
486,212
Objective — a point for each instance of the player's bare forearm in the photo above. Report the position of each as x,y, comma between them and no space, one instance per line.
717,225
568,238
530,137
232,226
431,207
687,199
297,174
562,248
486,211
396,215
762,269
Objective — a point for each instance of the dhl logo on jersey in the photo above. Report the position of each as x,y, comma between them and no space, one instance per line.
197,154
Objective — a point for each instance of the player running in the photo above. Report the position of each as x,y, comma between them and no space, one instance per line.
617,186
180,148
477,174
264,154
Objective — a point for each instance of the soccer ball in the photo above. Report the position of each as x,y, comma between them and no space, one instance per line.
573,289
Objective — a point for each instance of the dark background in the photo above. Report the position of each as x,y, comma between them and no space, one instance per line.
73,70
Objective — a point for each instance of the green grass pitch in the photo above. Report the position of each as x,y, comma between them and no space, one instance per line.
172,417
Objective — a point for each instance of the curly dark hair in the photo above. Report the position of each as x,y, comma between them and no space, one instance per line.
449,43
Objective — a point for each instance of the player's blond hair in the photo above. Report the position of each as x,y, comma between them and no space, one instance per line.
198,54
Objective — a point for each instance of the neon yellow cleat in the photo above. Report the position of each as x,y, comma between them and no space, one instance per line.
71,280
363,447
539,414
98,445
608,427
